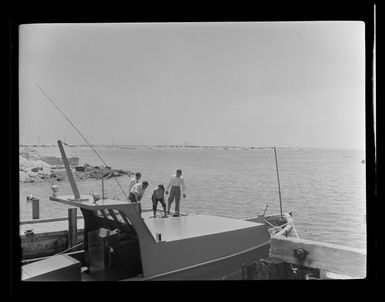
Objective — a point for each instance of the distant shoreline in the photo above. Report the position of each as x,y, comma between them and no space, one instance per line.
189,147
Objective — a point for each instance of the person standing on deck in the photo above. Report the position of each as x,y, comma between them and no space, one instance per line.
158,195
176,182
137,192
134,181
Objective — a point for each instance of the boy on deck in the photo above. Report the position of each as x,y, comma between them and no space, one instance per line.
158,195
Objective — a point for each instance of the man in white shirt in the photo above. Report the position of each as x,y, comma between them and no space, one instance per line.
137,192
134,180
176,182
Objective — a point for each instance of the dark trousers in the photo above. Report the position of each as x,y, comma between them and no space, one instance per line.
132,198
174,194
155,202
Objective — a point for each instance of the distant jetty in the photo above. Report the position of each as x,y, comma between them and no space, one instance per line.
35,167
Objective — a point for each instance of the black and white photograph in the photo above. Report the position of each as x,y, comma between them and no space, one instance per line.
193,150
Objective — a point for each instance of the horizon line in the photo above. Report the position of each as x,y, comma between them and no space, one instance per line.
192,146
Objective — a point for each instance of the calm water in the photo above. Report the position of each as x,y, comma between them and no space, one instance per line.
325,189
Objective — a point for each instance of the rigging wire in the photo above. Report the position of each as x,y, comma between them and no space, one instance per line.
57,107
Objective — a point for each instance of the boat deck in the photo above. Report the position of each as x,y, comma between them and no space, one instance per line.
184,227
171,228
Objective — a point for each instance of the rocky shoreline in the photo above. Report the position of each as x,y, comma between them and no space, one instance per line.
35,168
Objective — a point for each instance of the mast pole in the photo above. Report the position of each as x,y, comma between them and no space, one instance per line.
279,186
69,172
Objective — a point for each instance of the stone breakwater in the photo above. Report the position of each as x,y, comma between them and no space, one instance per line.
35,167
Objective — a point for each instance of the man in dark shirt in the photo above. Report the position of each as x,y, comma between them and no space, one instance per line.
158,195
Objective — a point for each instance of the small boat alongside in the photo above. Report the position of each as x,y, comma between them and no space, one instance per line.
277,225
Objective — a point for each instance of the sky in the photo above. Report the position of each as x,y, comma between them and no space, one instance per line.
217,83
